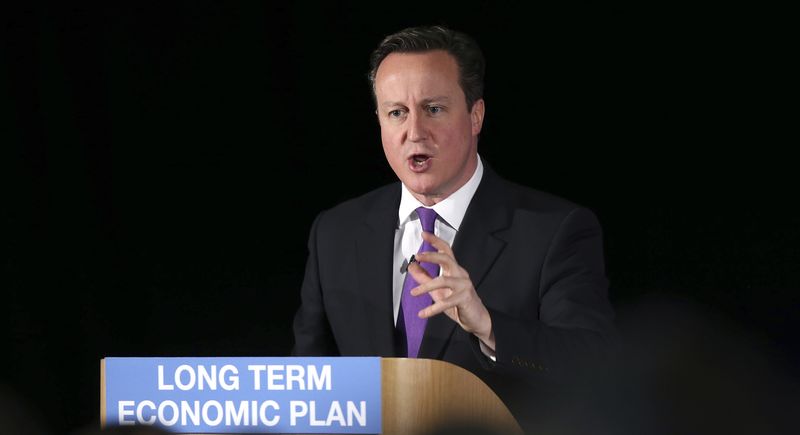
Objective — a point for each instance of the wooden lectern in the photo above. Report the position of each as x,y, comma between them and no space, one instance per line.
421,395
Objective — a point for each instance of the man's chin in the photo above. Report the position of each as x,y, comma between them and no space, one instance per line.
425,193
420,188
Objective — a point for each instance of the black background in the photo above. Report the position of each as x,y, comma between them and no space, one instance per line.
162,164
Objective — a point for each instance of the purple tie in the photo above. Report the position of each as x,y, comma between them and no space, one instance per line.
411,305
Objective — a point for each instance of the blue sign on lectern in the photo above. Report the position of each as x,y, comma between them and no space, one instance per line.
250,394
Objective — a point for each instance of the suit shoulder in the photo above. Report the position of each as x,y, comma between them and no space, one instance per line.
527,198
531,202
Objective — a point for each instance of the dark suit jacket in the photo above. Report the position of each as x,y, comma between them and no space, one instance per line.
536,262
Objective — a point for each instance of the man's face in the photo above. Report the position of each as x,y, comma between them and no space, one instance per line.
429,135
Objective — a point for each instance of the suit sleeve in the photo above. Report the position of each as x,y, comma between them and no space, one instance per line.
575,320
312,332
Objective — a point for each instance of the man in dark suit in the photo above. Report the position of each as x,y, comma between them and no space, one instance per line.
520,298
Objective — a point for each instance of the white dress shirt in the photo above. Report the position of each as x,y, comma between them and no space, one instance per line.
408,235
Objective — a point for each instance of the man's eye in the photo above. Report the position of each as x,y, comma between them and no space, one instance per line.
396,113
434,109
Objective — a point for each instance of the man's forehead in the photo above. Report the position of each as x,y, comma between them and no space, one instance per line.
422,63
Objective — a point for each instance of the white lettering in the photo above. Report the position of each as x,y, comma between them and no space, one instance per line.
335,414
204,377
161,415
272,377
217,407
295,374
263,413
214,413
257,369
179,381
297,408
234,416
193,413
161,385
290,377
312,405
140,413
359,414
122,412
230,382
317,380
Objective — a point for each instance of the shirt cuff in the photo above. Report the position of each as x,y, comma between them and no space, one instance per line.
486,351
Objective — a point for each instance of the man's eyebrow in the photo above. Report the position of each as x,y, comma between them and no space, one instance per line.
436,99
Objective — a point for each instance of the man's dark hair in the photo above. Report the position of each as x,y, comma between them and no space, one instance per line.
464,49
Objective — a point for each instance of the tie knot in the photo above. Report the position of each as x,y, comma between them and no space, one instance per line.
427,217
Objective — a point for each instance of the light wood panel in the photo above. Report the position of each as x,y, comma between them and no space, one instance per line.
420,395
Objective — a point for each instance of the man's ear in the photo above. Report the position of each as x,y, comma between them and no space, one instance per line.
476,116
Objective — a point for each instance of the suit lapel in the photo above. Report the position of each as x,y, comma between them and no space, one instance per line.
476,248
374,250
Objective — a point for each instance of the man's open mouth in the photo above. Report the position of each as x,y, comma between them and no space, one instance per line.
420,159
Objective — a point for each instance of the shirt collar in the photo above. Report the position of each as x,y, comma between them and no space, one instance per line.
450,209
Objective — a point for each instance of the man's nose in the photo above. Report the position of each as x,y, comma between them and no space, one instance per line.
417,127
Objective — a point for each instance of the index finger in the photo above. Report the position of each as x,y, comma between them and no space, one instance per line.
438,243
418,273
